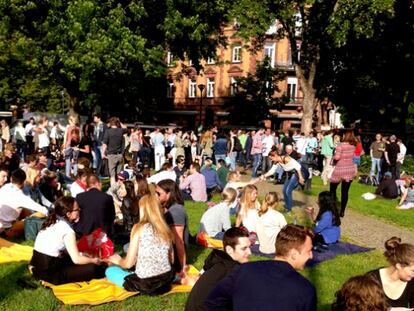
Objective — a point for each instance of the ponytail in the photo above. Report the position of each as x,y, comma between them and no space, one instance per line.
63,205
271,200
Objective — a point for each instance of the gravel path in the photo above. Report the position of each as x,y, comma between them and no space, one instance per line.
363,230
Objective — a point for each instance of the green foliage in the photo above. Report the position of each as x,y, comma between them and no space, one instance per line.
256,92
101,52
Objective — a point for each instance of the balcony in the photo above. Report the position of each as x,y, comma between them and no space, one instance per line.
286,65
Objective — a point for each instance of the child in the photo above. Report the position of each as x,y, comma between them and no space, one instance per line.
216,219
269,223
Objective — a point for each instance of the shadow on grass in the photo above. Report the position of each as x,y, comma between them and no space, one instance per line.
9,278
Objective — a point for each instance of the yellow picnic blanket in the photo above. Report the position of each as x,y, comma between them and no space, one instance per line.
101,291
204,240
10,252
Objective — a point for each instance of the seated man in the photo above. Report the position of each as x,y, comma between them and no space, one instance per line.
12,203
96,209
236,251
387,188
213,183
222,172
270,285
196,183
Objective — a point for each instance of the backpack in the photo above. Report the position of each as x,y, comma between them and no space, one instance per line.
237,145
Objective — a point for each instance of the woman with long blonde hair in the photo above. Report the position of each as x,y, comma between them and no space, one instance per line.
269,223
249,206
150,250
206,144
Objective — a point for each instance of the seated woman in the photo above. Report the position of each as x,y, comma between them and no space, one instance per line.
327,229
249,205
361,292
407,198
388,188
56,258
269,223
216,219
150,250
397,279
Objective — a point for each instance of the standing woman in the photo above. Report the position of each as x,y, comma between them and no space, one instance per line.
397,279
344,170
56,258
294,175
150,250
71,141
135,142
5,132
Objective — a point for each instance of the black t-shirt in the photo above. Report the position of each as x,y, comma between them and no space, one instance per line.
406,300
114,140
85,141
392,149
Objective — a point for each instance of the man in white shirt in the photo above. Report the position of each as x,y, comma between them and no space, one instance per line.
166,172
268,141
13,201
400,157
301,145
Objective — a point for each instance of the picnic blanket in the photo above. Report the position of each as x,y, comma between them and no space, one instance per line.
10,252
333,250
96,292
204,240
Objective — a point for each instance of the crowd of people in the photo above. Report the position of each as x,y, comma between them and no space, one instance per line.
57,174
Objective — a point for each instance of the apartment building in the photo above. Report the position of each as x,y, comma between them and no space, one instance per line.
200,97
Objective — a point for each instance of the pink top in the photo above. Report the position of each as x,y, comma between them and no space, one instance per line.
257,146
197,183
345,169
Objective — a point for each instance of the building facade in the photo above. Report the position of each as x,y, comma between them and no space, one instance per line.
200,97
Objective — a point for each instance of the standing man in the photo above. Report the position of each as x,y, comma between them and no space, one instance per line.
220,263
159,149
376,152
391,153
98,135
113,147
270,285
400,156
268,141
256,151
29,135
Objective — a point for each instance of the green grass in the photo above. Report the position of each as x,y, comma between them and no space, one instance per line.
383,209
327,277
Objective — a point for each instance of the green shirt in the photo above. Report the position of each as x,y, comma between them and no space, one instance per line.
327,146
222,175
242,139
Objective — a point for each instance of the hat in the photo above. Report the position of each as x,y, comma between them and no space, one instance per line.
388,174
393,137
124,175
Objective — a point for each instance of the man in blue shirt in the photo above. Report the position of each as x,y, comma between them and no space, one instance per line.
270,285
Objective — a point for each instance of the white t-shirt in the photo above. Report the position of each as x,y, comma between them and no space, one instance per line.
163,175
268,227
51,240
268,142
75,189
44,140
249,219
301,145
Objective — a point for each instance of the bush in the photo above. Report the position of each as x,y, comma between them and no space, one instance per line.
408,165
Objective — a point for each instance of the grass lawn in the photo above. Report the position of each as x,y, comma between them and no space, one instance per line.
380,208
327,277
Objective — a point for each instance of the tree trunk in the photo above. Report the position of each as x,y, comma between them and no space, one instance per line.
73,100
308,107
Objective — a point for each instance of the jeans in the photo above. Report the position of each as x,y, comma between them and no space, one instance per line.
290,184
233,156
266,164
257,157
116,275
376,164
97,160
279,172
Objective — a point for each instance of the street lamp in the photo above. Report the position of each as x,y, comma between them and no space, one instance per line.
201,87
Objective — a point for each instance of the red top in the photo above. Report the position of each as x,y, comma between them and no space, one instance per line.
358,150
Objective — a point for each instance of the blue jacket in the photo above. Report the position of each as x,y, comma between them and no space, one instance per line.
263,285
211,177
327,229
220,146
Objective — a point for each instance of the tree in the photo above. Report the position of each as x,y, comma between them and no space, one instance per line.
309,25
256,92
109,52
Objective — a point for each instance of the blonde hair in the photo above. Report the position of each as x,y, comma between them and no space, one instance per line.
150,213
228,195
208,162
31,175
246,198
271,200
206,136
232,175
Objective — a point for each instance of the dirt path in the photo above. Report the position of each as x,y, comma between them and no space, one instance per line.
364,230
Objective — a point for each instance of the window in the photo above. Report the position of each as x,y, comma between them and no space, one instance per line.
210,87
236,54
170,59
211,61
269,52
292,87
170,90
192,88
233,86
